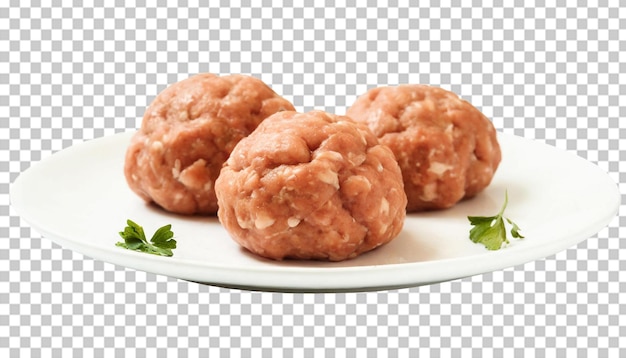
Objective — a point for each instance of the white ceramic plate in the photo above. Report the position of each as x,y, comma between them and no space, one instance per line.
79,199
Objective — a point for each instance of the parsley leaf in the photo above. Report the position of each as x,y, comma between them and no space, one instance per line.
491,231
161,243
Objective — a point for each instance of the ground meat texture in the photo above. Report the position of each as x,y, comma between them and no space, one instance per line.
311,186
446,148
187,134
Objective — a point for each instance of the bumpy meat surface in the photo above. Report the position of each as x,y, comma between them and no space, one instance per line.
311,186
446,148
188,132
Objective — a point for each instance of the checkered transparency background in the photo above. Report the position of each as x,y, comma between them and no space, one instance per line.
71,71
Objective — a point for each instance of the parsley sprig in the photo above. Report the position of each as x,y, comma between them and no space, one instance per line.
161,242
491,231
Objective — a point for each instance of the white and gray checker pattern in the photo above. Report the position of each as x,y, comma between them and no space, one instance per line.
71,71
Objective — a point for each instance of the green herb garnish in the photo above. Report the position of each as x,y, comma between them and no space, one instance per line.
135,239
490,230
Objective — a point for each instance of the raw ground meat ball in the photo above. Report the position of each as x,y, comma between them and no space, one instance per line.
446,148
187,134
311,186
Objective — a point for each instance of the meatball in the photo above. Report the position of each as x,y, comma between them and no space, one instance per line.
187,134
311,186
446,148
